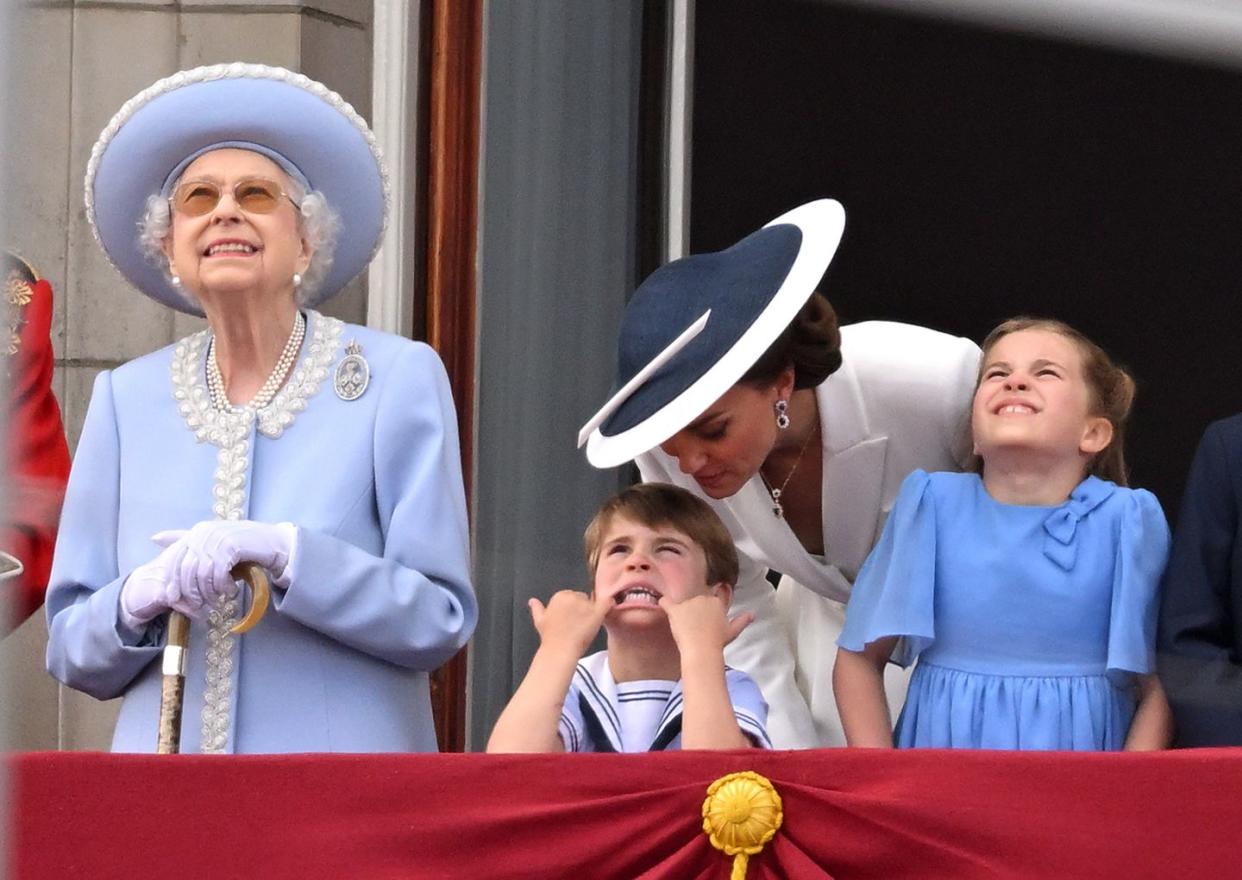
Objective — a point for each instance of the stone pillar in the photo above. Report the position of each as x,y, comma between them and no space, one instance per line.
69,67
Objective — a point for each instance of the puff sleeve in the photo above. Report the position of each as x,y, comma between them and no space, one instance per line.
1142,551
895,589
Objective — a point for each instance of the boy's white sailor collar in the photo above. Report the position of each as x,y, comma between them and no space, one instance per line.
599,692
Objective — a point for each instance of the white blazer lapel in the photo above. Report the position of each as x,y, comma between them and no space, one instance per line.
853,485
853,480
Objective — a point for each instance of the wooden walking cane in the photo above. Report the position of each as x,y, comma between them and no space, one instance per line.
172,694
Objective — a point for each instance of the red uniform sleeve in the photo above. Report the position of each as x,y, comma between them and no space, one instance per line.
37,455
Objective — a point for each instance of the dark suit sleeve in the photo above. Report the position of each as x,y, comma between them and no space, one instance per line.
1199,646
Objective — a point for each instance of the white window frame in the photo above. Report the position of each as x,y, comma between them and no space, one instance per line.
392,277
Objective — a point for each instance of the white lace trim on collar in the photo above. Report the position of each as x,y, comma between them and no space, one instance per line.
230,430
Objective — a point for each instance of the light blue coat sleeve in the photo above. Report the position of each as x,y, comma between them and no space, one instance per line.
88,647
413,605
894,594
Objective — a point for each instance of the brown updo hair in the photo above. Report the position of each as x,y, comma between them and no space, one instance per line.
1110,387
811,344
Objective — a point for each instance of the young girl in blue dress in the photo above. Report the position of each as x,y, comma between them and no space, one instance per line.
1028,591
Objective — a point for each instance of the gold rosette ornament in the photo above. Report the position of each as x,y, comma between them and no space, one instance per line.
742,813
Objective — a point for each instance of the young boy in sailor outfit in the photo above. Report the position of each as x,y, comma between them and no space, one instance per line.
663,567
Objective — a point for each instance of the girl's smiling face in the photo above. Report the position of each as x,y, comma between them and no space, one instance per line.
1033,397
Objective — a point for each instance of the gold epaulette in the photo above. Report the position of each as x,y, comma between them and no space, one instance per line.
18,278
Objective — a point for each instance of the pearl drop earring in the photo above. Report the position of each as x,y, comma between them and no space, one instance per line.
176,280
297,280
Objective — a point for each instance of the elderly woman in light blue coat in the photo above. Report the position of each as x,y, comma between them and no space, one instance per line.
325,452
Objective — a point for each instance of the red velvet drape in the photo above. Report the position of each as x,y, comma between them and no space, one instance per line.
848,814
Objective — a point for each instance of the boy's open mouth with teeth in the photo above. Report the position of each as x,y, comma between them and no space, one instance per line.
638,595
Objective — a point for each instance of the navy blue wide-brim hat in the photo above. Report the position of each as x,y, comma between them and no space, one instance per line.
696,325
307,129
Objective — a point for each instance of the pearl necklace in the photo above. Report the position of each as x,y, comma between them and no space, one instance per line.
778,509
215,380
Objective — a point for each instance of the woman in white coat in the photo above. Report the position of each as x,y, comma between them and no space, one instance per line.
736,382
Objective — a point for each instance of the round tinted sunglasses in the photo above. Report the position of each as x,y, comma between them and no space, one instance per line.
254,195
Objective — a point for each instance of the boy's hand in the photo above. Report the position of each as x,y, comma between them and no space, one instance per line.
702,623
566,627
569,622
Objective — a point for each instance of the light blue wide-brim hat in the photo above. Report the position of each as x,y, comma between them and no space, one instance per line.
302,125
695,327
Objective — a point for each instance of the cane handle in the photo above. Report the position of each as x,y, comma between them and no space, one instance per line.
260,594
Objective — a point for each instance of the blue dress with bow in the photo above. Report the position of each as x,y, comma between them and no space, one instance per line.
1029,623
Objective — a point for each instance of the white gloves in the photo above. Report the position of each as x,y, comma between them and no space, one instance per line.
212,549
193,571
152,589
